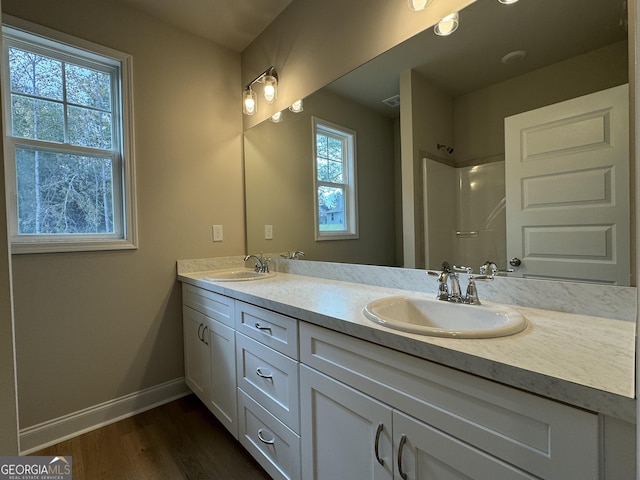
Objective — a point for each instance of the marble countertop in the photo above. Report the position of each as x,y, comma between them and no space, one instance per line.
582,360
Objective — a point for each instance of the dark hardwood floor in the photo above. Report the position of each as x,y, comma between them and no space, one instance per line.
179,440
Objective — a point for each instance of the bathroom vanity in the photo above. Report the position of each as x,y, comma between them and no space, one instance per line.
314,390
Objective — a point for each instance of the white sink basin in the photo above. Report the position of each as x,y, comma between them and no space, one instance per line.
237,275
445,319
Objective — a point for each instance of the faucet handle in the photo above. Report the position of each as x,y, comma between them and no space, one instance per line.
462,269
472,293
443,288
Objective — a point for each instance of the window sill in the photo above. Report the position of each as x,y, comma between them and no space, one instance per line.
25,248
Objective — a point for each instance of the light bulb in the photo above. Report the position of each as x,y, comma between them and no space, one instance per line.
447,25
270,88
296,107
249,105
418,5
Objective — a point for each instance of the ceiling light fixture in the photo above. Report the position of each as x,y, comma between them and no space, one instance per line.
276,117
447,25
418,5
297,106
507,2
269,80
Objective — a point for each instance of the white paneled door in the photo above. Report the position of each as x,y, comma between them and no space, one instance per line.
567,189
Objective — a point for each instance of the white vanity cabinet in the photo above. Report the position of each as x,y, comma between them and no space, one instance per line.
436,422
209,352
267,379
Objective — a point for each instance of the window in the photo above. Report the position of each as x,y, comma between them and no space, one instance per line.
68,142
335,181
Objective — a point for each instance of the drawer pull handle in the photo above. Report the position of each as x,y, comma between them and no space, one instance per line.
264,440
403,440
376,444
263,328
263,375
204,333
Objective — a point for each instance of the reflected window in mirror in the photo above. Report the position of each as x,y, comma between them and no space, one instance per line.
334,181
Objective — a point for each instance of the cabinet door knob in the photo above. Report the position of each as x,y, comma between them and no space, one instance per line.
403,440
263,375
376,444
264,440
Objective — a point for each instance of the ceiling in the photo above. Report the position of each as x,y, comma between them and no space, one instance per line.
548,30
231,23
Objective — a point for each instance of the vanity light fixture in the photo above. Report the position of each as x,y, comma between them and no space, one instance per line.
276,117
297,106
447,25
269,80
418,5
249,101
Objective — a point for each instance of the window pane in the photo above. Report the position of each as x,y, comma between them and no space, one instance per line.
62,193
334,170
331,209
334,149
321,146
88,87
89,128
37,119
34,74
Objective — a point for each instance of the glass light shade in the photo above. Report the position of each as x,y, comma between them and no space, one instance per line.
270,91
296,107
417,5
276,117
249,102
447,25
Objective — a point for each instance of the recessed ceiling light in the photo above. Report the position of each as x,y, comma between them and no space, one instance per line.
514,57
507,2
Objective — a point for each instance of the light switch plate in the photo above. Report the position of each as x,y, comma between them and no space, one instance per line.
217,233
268,232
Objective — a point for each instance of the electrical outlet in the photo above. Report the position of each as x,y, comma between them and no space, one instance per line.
217,233
268,232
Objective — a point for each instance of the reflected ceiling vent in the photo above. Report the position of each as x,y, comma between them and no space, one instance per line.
392,102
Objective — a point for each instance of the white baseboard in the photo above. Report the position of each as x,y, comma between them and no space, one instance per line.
68,426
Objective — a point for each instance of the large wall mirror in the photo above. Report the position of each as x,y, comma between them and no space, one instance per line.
433,155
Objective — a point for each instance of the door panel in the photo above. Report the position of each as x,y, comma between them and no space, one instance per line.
567,189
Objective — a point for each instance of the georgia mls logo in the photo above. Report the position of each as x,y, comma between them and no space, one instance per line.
35,468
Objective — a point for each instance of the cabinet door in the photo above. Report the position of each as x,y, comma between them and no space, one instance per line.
425,453
222,397
196,353
341,431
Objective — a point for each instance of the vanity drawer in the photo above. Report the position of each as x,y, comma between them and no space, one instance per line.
277,331
546,438
269,377
269,441
211,304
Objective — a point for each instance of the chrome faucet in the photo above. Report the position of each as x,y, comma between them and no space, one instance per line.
262,264
293,255
449,285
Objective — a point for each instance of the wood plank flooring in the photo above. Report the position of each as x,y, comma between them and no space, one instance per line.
179,440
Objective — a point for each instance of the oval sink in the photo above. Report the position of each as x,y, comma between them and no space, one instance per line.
445,319
237,275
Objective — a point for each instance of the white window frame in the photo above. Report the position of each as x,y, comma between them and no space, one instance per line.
16,32
349,183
